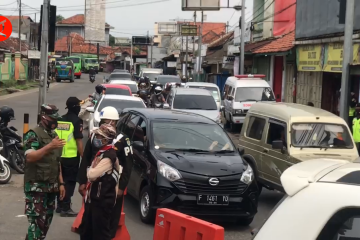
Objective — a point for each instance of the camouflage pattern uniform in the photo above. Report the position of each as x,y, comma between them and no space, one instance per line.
39,197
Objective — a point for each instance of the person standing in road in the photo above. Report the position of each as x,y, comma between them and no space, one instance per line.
70,128
356,130
352,108
109,115
101,195
42,176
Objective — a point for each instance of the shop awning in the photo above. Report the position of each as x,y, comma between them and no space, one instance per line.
278,45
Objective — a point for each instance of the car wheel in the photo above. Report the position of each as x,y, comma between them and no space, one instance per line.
245,221
233,127
58,80
147,213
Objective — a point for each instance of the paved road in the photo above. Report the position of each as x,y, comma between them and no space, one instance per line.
13,223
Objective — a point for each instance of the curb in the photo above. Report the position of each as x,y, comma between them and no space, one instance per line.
7,96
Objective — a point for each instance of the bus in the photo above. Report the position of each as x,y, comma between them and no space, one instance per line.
64,70
77,65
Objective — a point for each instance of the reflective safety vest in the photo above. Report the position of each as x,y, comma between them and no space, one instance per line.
356,130
65,131
352,111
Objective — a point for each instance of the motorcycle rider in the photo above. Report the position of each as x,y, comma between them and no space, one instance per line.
143,94
6,115
144,83
99,90
109,115
157,97
91,72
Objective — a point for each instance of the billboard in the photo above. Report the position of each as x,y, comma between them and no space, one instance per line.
141,40
95,20
167,28
200,5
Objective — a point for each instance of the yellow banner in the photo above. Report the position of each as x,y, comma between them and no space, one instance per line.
309,58
334,57
356,58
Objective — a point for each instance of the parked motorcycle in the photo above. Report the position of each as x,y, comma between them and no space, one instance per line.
11,149
5,172
92,78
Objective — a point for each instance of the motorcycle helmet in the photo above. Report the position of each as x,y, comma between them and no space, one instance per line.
146,79
143,93
143,85
7,114
99,88
158,90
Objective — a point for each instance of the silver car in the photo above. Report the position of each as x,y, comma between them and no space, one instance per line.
198,101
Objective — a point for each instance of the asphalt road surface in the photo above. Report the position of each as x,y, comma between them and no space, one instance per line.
13,222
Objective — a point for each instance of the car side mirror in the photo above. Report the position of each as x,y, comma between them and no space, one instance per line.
230,98
166,106
139,145
241,151
277,144
90,109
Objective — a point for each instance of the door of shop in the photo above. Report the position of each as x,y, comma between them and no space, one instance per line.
278,69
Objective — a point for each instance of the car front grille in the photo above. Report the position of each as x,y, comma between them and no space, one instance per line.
226,186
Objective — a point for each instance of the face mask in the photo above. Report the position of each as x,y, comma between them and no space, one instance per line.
76,110
97,143
50,124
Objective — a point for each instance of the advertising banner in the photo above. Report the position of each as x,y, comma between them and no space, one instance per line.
309,58
334,57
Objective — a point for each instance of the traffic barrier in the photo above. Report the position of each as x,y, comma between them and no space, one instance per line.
172,225
121,234
26,124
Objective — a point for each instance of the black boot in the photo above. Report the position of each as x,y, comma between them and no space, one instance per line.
67,211
58,207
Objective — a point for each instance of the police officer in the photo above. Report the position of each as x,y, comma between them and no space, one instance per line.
352,108
124,154
42,153
69,129
356,130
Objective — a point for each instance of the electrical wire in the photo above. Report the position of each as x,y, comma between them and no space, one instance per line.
8,4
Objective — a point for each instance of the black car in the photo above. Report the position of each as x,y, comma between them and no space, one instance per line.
187,162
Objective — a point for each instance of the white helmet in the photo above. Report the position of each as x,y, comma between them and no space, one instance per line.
109,113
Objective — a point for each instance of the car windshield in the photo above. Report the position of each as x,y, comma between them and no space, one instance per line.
213,90
190,136
320,135
200,102
125,76
254,94
117,91
91,60
120,104
151,76
63,62
164,80
75,60
133,88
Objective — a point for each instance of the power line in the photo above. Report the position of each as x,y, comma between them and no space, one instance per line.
8,4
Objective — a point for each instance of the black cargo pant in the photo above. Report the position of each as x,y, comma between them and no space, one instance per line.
115,217
69,174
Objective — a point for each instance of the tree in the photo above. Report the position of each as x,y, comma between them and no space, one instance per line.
59,18
112,40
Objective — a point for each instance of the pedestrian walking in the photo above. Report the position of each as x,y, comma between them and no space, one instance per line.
42,178
356,130
102,188
109,115
70,128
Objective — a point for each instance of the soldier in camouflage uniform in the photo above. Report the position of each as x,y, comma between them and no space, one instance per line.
42,177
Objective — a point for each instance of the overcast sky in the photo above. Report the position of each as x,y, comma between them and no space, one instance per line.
131,17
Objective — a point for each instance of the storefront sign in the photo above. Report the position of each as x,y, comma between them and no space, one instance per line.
228,62
334,57
171,64
309,58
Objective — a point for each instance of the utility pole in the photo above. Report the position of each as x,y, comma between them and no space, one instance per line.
44,54
242,44
97,51
200,45
186,59
194,36
152,43
347,58
20,26
227,26
36,27
147,51
131,55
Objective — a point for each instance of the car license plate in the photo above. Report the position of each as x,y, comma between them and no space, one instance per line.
204,199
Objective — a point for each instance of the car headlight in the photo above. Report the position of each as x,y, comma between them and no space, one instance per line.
247,176
168,172
238,111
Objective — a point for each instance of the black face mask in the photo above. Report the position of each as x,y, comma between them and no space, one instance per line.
49,124
76,110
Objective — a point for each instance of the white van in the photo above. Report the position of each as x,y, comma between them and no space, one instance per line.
240,92
213,88
151,73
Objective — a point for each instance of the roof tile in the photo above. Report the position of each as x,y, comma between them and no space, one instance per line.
78,19
12,44
222,40
282,44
